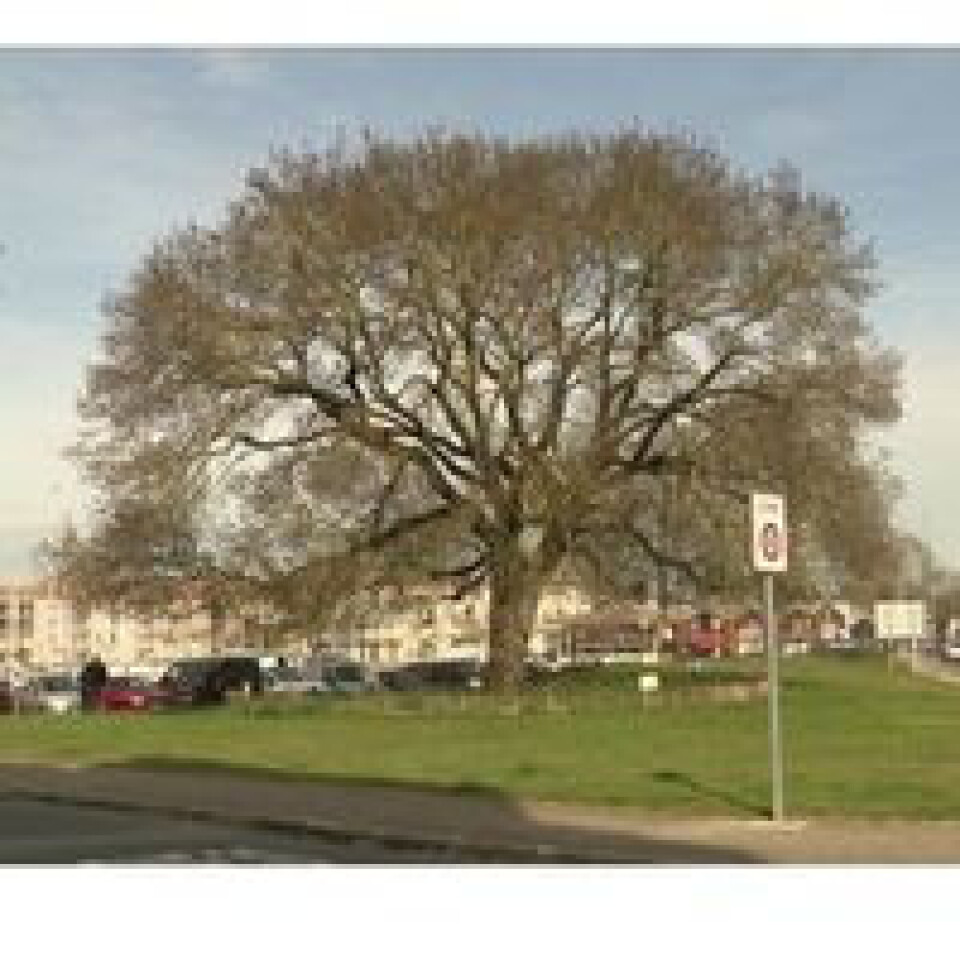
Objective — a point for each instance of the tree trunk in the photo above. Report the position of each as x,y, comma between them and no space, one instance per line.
514,596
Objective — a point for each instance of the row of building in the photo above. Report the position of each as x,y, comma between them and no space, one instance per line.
41,629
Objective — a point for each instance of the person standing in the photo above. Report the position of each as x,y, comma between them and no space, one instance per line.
93,678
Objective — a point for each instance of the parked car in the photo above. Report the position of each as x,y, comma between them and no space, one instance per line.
128,693
56,693
436,675
708,641
951,649
339,676
210,680
240,675
348,677
289,680
399,679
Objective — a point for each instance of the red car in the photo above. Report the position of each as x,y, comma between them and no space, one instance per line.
707,640
128,693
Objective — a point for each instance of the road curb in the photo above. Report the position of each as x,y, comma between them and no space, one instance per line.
334,832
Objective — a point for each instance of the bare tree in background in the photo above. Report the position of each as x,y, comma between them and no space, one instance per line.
472,359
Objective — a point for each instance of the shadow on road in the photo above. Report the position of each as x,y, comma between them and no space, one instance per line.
464,823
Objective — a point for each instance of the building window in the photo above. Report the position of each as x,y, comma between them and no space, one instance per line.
26,618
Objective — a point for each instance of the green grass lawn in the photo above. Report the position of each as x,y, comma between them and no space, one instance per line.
861,740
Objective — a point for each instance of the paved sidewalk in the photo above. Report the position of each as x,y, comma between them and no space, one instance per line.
481,828
935,669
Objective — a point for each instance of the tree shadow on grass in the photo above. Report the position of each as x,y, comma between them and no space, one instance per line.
163,763
732,800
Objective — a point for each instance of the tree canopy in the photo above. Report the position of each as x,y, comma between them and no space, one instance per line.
473,359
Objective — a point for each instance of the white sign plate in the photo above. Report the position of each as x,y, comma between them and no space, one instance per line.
899,621
768,526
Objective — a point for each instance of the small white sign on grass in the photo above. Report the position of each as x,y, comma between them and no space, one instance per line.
899,621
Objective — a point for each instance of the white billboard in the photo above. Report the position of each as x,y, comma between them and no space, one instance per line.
899,621
769,532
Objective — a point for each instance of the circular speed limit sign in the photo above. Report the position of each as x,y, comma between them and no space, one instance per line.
769,533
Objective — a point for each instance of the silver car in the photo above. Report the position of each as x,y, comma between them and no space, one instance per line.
58,693
287,680
340,676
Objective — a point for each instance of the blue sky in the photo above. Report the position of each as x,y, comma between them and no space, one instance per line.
102,151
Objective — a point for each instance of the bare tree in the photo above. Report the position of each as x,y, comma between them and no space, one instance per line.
471,358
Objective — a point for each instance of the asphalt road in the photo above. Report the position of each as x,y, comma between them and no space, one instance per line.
38,832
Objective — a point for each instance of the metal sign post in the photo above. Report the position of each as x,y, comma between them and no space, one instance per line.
773,700
769,527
